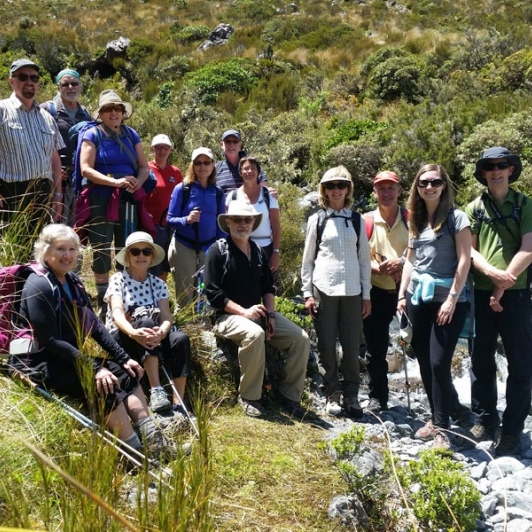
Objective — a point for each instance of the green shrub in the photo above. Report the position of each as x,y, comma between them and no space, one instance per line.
380,56
192,33
294,311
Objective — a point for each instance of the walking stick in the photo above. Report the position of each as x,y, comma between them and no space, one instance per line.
405,337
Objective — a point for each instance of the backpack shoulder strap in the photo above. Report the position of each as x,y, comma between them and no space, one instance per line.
369,220
186,196
320,226
219,194
404,216
356,220
266,196
51,108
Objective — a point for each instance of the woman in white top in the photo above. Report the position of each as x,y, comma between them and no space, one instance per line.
336,273
268,233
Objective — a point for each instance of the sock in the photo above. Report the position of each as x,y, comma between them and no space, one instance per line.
134,442
148,431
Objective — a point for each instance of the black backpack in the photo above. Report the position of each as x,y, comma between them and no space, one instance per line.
323,217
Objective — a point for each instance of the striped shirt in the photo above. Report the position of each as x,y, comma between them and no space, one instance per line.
337,269
27,141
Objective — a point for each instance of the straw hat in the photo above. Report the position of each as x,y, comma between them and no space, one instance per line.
110,96
239,208
141,237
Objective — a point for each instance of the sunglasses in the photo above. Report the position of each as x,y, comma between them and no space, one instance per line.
25,77
231,141
147,252
162,147
246,220
434,183
65,84
491,166
113,107
202,163
341,185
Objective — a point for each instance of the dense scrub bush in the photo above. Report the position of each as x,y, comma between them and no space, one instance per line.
380,56
191,34
251,10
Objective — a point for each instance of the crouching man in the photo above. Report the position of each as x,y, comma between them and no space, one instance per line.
238,284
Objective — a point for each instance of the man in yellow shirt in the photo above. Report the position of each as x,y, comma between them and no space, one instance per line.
388,238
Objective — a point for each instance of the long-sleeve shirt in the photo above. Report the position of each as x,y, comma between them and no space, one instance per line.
204,199
231,276
340,267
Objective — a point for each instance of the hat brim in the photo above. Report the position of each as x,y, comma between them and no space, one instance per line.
514,160
127,114
222,220
158,254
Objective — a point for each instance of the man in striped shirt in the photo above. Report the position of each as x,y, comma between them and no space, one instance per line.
30,167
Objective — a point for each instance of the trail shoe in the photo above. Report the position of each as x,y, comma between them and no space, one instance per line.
352,407
158,400
462,415
441,440
483,432
375,406
293,408
427,432
158,447
251,408
508,445
333,406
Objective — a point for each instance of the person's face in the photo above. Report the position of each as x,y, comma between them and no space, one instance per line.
161,151
61,256
112,115
249,171
203,166
497,173
25,82
336,191
140,256
69,88
231,145
430,185
387,193
240,227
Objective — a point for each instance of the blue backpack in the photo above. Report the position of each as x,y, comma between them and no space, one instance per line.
75,137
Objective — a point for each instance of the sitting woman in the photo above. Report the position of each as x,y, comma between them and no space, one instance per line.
268,234
56,307
140,320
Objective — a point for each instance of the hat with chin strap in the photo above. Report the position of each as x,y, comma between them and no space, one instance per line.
499,152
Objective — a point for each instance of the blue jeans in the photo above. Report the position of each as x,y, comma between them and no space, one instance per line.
514,324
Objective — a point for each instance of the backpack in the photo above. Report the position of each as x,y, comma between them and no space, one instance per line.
369,218
265,194
16,337
186,196
356,221
75,137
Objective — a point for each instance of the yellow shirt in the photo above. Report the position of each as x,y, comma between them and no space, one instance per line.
389,242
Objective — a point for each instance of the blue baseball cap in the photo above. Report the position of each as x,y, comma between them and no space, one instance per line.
19,63
231,133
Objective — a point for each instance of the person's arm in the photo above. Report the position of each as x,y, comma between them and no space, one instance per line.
405,278
275,224
174,220
364,261
144,168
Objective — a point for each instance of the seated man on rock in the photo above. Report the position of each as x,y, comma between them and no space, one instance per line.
238,284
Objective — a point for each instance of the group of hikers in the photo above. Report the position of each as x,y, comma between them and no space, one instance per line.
357,271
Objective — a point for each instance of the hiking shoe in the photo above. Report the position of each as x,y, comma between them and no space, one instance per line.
251,408
158,400
427,432
352,407
483,432
441,440
292,408
508,445
375,406
462,415
333,406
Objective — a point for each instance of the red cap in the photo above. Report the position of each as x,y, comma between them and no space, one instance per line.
386,175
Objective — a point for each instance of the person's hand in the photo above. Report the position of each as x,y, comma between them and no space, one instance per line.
311,307
146,337
366,308
390,266
495,300
255,312
57,209
193,216
446,311
274,262
134,368
129,183
105,381
401,304
501,278
273,192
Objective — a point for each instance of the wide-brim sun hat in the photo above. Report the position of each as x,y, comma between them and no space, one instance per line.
202,151
239,208
499,152
110,96
140,237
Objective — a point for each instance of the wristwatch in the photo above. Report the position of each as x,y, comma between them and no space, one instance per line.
454,295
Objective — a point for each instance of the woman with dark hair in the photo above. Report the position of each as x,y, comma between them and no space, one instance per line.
268,234
335,274
192,214
432,289
57,308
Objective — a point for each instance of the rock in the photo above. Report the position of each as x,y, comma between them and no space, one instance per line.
218,37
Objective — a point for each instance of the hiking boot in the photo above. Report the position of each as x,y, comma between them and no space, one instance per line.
333,406
483,432
158,400
441,440
508,445
427,432
375,406
352,407
292,408
462,415
251,408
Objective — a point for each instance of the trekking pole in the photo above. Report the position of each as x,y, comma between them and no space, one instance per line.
195,225
405,337
130,453
182,403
